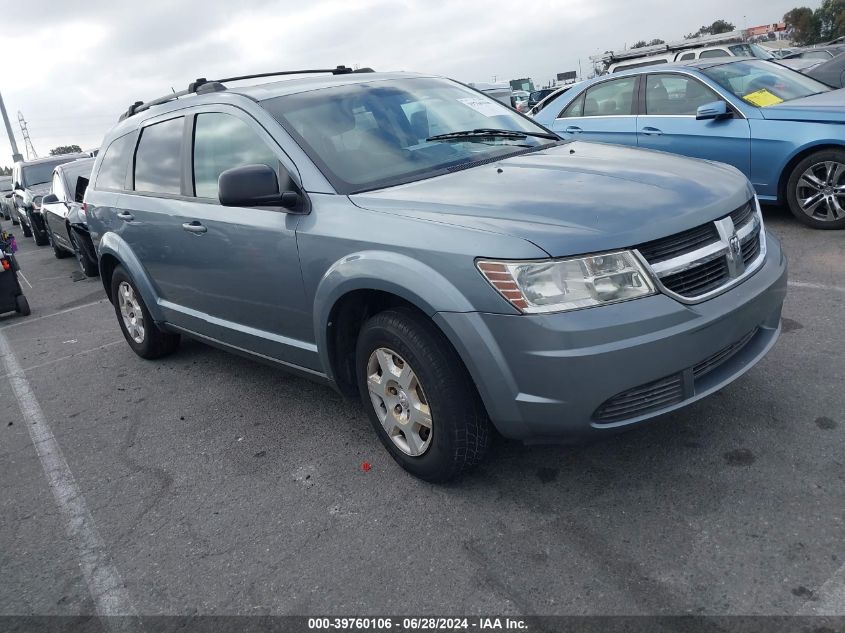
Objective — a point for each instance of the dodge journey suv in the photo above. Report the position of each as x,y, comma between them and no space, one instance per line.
413,242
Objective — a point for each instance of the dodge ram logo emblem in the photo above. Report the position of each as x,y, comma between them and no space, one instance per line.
732,246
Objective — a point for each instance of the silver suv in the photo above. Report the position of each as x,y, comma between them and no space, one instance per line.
411,241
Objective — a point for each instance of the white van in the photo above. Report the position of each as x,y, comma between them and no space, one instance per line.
738,49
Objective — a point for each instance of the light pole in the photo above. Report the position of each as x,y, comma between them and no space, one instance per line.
16,155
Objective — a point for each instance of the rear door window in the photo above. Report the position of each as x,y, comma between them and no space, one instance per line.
716,52
158,160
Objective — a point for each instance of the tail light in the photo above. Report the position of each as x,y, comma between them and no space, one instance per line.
7,265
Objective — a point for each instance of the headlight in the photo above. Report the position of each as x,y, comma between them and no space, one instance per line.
568,284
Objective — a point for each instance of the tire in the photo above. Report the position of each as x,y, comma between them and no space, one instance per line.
58,251
22,305
458,434
88,266
829,211
39,237
27,231
150,342
15,221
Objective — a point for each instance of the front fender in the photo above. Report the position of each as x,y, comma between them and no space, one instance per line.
403,276
114,245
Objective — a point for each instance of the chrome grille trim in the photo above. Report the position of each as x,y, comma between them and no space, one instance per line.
733,246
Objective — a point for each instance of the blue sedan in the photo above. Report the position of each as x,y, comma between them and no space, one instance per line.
782,129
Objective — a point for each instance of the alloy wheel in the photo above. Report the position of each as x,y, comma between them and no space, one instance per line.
130,311
399,401
821,191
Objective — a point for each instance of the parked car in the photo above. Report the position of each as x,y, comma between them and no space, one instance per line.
551,98
6,197
537,96
739,49
781,128
822,53
830,72
519,100
31,181
427,249
64,216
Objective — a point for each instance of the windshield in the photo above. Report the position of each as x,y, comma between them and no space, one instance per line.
374,134
762,83
40,173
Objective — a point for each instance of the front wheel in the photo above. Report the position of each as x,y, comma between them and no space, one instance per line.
88,265
815,191
420,398
142,334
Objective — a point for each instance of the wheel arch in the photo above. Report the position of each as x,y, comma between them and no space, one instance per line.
796,158
363,284
114,252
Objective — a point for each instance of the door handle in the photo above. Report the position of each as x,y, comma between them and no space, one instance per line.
651,131
125,216
572,129
194,227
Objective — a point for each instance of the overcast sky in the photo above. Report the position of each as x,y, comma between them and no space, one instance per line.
72,67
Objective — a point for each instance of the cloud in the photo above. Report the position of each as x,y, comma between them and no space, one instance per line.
72,67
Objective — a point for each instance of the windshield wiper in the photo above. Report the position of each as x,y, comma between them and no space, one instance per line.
490,133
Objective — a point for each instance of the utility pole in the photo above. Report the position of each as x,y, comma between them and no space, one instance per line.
30,149
16,156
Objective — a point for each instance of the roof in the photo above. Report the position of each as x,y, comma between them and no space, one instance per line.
79,164
50,159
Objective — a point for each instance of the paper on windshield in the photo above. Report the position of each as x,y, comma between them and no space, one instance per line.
762,98
483,106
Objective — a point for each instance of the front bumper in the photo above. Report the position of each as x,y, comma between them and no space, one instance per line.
555,377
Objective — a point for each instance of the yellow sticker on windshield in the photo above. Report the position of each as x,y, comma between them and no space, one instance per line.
762,98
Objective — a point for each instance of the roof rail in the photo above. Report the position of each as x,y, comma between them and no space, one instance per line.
203,85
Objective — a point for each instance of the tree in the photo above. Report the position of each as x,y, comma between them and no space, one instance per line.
803,25
656,41
639,44
719,26
830,19
65,149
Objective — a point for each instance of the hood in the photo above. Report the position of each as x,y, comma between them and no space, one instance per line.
574,198
825,106
41,189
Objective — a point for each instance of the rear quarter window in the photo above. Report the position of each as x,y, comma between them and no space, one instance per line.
115,163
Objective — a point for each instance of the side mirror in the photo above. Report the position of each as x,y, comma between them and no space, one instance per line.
50,198
713,111
254,186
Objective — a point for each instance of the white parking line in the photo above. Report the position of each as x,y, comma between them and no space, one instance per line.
27,320
69,356
104,581
812,286
829,599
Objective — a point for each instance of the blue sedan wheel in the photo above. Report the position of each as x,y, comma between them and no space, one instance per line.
816,190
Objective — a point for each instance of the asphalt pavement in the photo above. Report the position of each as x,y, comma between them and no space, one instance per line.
217,485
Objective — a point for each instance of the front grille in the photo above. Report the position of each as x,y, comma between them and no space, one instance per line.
640,400
712,362
661,394
742,215
679,244
703,260
751,249
699,280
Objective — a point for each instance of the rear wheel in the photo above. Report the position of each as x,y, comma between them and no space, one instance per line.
22,305
58,251
27,231
420,398
815,191
142,334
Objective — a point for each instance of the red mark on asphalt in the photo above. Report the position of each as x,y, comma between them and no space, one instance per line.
366,467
